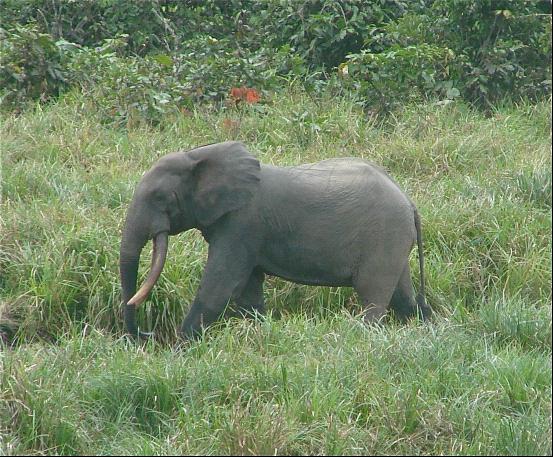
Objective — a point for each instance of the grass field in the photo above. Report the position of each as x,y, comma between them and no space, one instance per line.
311,378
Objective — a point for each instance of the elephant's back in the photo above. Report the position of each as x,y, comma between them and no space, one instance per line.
341,165
337,176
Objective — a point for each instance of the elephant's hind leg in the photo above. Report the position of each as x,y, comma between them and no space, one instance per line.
375,285
404,302
403,299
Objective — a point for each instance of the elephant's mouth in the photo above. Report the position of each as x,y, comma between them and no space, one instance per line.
160,243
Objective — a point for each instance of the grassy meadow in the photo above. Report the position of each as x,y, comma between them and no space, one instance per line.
311,378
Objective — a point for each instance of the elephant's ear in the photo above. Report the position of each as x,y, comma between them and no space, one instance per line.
226,176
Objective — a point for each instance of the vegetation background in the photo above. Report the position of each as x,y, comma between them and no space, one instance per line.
453,97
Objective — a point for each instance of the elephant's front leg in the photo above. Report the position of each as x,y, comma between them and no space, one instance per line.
250,300
226,274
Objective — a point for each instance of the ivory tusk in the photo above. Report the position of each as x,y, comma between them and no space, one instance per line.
159,254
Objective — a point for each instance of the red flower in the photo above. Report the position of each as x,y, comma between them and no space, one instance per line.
237,93
252,96
246,94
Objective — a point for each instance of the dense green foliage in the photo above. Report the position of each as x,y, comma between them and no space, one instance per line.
176,54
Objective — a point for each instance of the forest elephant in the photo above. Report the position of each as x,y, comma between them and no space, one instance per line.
338,222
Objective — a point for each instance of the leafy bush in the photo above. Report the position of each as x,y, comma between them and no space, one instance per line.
195,51
502,48
321,32
32,66
483,51
151,25
210,67
126,89
386,78
89,22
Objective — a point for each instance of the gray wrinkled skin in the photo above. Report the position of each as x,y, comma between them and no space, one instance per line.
339,222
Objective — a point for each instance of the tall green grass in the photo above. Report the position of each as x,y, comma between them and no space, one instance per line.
311,378
291,386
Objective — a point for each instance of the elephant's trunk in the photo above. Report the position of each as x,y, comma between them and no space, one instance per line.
130,256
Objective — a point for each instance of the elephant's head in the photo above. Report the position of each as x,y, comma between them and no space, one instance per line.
183,190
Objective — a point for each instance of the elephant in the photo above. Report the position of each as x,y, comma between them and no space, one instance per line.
338,222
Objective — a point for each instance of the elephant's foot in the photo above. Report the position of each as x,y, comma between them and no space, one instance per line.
375,314
199,317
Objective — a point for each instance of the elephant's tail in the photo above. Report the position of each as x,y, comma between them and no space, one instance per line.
421,296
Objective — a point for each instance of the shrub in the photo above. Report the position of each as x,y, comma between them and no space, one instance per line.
210,67
384,79
32,66
128,89
321,32
89,22
481,51
502,48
